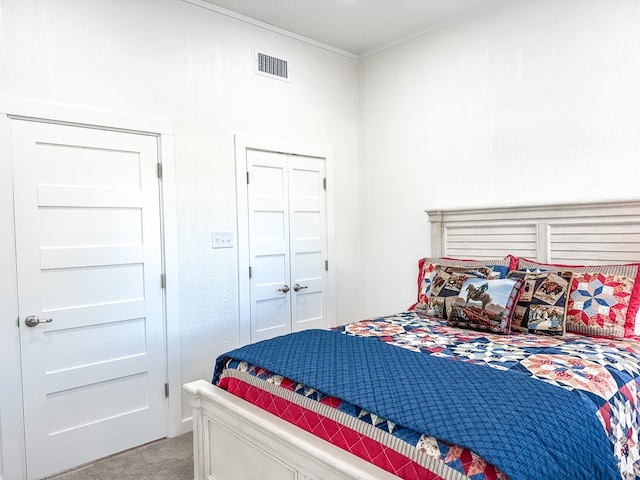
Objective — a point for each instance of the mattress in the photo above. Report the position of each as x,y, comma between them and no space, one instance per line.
602,373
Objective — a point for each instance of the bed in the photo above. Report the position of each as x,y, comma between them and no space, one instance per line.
523,363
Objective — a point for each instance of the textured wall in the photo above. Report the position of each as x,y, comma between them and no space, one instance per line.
178,61
536,101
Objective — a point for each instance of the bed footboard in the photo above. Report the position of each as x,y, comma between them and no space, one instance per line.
234,440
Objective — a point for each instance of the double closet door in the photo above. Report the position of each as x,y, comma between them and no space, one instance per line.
287,213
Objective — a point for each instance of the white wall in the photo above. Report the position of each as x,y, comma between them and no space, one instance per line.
180,62
535,101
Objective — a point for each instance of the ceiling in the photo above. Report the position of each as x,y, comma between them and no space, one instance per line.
356,26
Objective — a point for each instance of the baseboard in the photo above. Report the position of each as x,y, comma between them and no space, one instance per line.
185,426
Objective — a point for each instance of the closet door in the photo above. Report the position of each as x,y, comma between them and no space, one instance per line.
287,243
269,244
308,242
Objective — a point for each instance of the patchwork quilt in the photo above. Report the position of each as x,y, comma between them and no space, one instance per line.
589,386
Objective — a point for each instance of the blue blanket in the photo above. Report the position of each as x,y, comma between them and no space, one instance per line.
527,428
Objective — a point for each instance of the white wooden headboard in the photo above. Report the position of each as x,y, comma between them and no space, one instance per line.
586,233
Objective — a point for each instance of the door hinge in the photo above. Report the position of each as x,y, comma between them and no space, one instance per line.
166,390
247,178
163,281
159,170
326,265
250,272
324,183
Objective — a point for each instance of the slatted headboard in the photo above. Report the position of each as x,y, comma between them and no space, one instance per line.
586,233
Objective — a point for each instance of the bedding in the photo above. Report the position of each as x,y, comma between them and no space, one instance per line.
585,388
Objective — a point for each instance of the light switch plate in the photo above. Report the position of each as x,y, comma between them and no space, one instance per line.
222,240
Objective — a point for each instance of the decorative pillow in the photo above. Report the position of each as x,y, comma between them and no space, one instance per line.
542,306
603,299
447,282
484,304
427,271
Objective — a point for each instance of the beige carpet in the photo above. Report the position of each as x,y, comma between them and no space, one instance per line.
167,459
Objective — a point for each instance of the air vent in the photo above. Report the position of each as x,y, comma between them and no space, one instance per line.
272,67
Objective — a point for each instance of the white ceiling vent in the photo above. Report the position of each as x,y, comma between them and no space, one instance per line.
272,67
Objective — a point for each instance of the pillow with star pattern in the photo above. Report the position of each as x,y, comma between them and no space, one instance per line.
603,300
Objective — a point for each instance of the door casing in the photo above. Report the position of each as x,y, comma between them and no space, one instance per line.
243,143
12,454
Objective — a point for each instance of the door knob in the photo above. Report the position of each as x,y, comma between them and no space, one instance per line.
33,320
284,289
297,287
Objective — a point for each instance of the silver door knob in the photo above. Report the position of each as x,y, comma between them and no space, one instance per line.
284,289
297,287
33,320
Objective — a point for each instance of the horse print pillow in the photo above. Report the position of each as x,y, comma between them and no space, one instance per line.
447,282
429,267
484,304
542,307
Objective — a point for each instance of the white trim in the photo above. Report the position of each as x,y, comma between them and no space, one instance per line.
12,451
32,109
386,46
331,242
9,354
242,238
242,143
175,425
431,28
271,28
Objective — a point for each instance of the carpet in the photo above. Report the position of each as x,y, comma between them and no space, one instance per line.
166,459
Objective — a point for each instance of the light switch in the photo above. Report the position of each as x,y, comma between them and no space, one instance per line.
222,239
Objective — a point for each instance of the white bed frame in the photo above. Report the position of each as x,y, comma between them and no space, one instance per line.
234,440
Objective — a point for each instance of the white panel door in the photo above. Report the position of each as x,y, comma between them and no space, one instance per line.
269,244
308,242
287,243
88,238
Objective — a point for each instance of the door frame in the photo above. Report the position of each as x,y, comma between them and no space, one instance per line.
12,450
244,142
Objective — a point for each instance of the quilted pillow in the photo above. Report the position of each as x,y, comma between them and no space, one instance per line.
542,306
603,300
427,270
484,304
